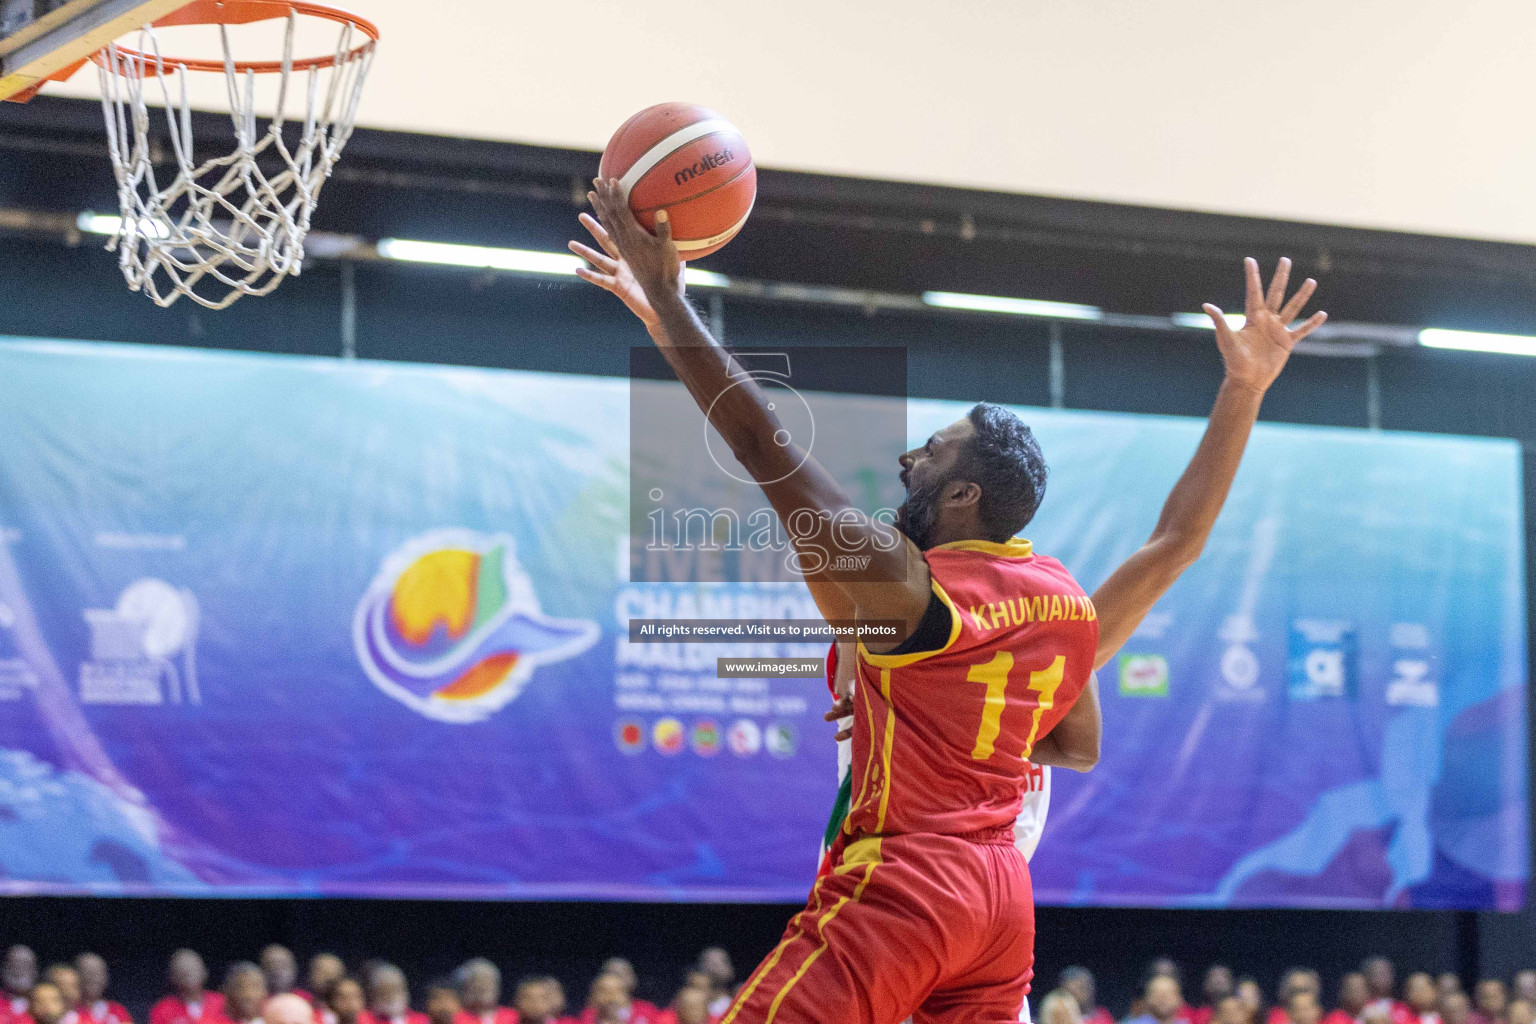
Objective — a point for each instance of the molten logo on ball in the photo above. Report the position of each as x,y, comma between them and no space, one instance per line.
451,628
709,163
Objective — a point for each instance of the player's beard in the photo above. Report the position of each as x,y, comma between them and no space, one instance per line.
919,514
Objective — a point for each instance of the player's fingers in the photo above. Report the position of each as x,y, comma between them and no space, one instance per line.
1279,283
599,260
603,281
844,735
1253,294
663,226
598,232
1312,323
1219,321
1298,301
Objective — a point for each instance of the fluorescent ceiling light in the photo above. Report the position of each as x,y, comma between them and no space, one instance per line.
1018,307
1476,341
705,278
526,260
111,224
1234,320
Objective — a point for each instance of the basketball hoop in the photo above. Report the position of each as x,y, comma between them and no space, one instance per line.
231,225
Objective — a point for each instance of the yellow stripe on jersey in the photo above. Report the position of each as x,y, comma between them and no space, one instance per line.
899,660
868,852
887,746
1014,547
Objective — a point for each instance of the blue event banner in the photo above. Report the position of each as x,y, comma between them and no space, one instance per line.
274,625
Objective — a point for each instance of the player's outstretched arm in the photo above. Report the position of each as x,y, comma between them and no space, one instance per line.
645,271
1254,357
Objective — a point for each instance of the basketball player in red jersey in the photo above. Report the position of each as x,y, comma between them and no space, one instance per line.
927,911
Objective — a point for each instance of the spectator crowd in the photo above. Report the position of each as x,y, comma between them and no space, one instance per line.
1367,996
269,991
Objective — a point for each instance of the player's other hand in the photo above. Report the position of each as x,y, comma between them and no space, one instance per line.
637,266
1255,355
841,708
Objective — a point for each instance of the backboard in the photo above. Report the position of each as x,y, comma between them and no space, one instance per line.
40,38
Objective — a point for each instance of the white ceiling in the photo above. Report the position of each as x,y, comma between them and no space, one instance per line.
1403,114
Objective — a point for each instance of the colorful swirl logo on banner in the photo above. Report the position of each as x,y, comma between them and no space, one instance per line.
451,627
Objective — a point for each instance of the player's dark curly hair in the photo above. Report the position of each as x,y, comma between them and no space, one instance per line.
1005,461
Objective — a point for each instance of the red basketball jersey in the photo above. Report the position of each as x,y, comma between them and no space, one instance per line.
941,738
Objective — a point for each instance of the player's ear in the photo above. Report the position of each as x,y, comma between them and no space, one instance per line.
961,493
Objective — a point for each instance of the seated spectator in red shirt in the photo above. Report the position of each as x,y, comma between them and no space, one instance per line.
1354,994
282,970
443,1005
1219,984
1079,982
389,998
346,1003
1297,979
539,1000
1059,1007
67,980
1303,1008
1382,980
1252,996
1420,995
94,1006
1489,1002
1521,1011
716,964
625,971
325,970
18,974
479,991
689,1006
287,1009
245,994
610,1002
45,1005
1161,999
1455,1008
188,1002
1232,1010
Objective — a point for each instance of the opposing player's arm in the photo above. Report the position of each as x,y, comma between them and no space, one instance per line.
644,270
1254,357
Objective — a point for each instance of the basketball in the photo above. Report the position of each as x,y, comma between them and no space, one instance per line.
691,162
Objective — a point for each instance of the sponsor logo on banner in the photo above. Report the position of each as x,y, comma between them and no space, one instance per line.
143,648
1240,667
16,676
706,738
667,736
745,738
1413,682
451,627
1322,659
1143,675
780,739
629,735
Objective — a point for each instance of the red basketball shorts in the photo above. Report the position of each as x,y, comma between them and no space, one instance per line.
931,927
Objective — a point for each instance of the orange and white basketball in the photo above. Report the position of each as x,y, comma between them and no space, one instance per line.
691,162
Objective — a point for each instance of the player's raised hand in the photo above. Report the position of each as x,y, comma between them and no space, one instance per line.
608,270
650,261
1255,355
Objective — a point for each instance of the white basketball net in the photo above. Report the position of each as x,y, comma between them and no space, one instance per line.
232,225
